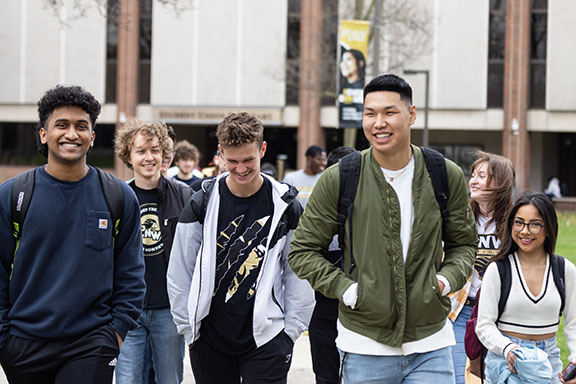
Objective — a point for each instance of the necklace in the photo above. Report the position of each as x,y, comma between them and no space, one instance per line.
395,176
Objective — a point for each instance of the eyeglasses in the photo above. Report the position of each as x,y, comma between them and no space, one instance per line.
534,227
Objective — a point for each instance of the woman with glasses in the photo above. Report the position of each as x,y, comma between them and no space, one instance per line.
491,186
531,313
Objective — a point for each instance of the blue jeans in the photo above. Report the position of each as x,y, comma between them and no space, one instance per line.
549,346
458,350
156,327
430,367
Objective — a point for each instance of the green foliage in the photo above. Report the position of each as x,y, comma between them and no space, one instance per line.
566,247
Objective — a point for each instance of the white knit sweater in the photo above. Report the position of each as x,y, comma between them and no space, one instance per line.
524,312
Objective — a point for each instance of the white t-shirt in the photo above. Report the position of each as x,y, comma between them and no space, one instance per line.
304,183
353,342
488,245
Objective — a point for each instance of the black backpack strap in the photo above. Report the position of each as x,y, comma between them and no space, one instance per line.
505,271
114,198
21,194
349,173
436,165
557,262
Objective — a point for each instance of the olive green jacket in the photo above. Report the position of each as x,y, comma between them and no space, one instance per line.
397,302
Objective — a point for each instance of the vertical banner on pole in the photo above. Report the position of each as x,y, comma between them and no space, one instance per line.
353,48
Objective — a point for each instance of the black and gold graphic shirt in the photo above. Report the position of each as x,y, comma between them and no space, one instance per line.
156,267
243,227
488,245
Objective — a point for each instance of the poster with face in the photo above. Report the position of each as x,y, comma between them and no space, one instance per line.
353,48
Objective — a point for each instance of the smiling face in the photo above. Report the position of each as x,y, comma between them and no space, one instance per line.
316,164
529,244
386,123
349,67
479,183
146,158
68,134
186,166
243,163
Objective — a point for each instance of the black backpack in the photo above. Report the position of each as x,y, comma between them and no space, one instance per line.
24,187
349,173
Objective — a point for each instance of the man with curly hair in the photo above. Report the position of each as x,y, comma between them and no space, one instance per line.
232,294
71,286
142,147
186,157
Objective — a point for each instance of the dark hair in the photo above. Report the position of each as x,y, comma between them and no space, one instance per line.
500,171
313,151
171,133
359,57
338,153
239,129
63,96
184,150
545,208
390,83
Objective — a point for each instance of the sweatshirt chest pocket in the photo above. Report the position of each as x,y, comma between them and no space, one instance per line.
98,233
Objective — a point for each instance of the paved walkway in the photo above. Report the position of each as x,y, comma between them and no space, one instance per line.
300,372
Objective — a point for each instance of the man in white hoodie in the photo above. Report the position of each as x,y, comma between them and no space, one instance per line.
232,293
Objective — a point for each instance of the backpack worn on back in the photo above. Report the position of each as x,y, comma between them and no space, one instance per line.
24,187
349,173
474,348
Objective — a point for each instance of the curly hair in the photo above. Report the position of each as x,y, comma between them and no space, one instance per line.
239,129
64,96
126,135
500,183
184,150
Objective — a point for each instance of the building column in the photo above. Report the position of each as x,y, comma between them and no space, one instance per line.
127,70
516,139
310,131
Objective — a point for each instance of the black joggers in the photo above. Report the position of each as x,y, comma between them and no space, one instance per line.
87,359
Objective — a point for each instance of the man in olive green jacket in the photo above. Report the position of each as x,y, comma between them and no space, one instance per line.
393,324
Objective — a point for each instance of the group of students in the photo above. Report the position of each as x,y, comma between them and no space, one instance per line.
92,281
524,233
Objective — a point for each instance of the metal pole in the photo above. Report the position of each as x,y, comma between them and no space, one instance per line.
376,37
425,135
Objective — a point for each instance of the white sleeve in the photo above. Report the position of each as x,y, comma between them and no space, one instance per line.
486,328
180,271
298,297
570,308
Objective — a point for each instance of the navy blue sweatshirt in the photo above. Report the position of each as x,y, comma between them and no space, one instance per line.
69,277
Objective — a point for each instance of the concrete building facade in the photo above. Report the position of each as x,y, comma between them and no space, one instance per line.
500,76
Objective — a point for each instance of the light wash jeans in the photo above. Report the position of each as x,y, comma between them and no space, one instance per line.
549,346
458,350
156,327
430,367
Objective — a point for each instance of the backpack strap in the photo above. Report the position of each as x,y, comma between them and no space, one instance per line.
21,194
436,165
114,198
349,173
557,263
505,271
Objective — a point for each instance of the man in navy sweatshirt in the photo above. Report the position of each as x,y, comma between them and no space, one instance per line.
70,289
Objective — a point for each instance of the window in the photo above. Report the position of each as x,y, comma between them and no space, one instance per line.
496,39
538,35
145,51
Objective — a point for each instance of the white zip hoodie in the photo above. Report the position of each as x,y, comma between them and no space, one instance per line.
282,300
